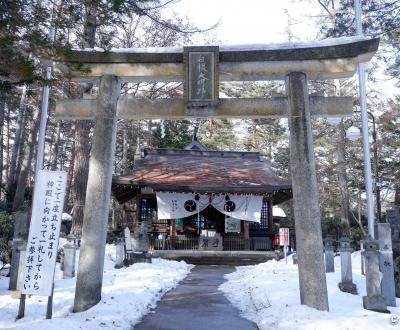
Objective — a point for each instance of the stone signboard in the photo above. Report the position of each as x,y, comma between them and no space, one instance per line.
41,252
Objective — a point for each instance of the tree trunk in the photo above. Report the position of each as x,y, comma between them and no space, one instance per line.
21,150
397,193
342,178
82,130
7,155
17,145
26,165
196,131
2,110
81,170
56,147
124,149
69,180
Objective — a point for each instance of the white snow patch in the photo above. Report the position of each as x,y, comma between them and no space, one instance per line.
270,46
127,295
268,294
66,217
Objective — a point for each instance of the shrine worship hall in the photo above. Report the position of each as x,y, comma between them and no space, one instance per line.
193,201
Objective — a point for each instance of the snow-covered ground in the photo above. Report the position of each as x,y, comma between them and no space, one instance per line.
128,294
268,294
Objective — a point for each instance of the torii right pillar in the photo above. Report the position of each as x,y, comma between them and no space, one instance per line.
313,291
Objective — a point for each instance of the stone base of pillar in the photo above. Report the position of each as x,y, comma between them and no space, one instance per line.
20,277
348,287
294,259
375,303
120,253
329,261
138,257
69,258
17,245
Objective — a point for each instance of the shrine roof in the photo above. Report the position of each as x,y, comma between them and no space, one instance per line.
202,171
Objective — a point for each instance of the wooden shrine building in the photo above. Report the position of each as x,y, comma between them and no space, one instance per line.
212,179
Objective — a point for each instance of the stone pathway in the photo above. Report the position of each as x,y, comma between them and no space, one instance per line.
196,303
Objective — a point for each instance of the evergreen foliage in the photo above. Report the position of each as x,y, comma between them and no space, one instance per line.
6,230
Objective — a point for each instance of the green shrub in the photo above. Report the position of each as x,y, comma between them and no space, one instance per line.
6,234
356,235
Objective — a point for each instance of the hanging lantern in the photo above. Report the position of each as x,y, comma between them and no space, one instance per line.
353,133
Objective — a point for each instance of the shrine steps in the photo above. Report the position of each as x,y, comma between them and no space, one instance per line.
232,258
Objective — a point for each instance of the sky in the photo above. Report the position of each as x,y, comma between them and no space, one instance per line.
253,21
261,22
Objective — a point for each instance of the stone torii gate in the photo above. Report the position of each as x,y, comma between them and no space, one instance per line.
201,69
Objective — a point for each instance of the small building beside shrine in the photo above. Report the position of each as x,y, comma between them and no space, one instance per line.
198,199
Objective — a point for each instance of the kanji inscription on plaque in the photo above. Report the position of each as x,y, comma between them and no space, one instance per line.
201,75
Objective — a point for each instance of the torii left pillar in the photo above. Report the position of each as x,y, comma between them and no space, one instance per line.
91,259
309,247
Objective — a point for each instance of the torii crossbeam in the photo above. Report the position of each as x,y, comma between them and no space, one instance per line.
201,69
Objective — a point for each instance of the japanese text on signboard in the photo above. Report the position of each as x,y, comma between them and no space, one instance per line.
284,236
44,232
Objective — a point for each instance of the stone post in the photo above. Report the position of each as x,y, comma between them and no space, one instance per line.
362,242
384,236
295,261
347,284
20,273
20,234
309,248
373,300
21,224
98,193
141,243
69,257
119,253
329,255
17,246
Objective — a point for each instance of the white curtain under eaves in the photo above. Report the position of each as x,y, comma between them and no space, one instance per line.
243,207
181,205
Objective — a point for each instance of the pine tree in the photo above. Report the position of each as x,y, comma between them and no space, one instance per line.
177,134
389,143
219,134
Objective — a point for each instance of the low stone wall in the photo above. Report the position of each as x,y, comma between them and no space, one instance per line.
236,258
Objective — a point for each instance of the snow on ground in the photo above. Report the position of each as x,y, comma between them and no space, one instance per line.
268,294
128,294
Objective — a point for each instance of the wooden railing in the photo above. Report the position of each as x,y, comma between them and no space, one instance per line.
261,244
235,243
230,243
175,243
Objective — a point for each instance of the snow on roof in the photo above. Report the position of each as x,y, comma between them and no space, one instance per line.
222,48
278,212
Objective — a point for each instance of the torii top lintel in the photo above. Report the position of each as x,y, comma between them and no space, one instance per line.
327,59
